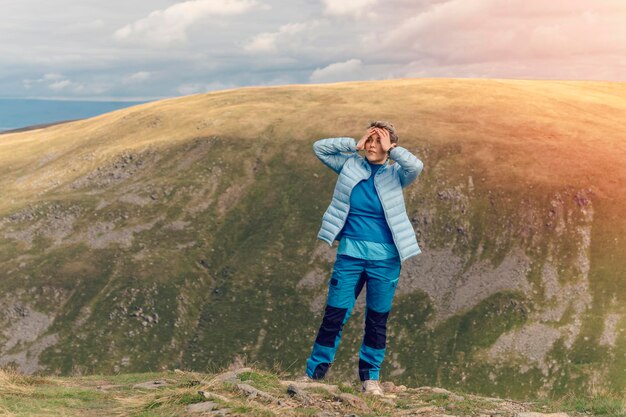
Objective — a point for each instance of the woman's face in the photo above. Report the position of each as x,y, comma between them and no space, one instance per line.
374,150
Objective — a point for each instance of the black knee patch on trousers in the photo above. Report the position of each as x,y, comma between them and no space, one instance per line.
331,325
364,368
320,370
375,329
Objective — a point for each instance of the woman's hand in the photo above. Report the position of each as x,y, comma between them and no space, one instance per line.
385,140
361,145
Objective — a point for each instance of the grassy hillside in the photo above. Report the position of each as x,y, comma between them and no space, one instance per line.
255,392
181,233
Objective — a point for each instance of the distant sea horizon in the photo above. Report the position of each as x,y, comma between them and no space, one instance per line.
17,113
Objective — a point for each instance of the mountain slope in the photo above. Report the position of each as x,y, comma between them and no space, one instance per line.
182,233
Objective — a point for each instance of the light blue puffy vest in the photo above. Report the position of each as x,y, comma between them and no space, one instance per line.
389,181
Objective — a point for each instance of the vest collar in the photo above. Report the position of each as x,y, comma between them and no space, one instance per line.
366,163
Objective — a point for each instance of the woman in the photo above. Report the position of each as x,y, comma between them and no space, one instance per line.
368,217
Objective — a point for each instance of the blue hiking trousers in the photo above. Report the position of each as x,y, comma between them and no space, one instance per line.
348,278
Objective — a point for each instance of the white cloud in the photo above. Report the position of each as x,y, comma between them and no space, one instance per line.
52,76
339,71
67,85
268,42
464,32
29,83
59,85
81,27
137,77
263,42
354,8
223,44
169,26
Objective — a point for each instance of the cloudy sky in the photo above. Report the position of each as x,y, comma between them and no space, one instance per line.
116,49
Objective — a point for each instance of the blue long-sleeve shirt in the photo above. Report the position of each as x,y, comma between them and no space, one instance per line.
366,234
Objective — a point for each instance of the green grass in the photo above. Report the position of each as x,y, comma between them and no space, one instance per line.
347,388
233,294
262,381
608,404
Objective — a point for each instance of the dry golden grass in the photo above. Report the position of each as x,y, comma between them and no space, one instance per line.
14,383
552,132
149,399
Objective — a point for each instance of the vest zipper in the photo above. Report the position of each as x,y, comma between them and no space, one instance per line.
393,236
346,219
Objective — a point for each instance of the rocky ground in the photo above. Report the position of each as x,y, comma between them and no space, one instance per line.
252,392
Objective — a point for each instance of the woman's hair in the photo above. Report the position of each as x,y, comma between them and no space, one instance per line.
393,136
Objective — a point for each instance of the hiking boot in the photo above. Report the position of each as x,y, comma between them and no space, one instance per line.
372,387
